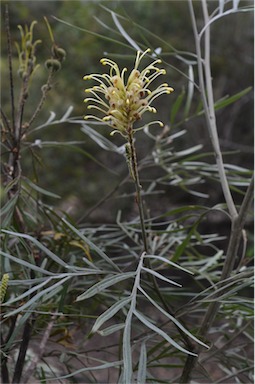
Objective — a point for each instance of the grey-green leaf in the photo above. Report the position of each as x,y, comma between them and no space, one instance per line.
173,319
142,367
26,264
102,285
159,276
109,313
112,329
162,333
30,303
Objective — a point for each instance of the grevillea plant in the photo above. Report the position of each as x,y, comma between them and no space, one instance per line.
139,299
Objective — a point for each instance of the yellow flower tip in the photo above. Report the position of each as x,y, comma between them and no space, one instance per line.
89,107
161,124
163,71
152,109
87,90
170,90
86,117
87,77
85,100
106,118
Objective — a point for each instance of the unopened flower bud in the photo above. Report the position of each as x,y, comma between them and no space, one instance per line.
53,64
58,53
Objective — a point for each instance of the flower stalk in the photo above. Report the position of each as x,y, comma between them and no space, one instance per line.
121,103
132,161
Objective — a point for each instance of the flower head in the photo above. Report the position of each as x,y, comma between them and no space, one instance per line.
121,102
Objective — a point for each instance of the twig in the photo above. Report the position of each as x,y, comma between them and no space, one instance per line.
4,367
32,365
22,351
104,199
151,277
7,27
45,89
211,118
208,103
236,234
234,374
22,102
137,186
4,357
237,220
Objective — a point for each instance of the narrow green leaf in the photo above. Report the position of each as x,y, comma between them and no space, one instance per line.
160,332
9,205
176,106
39,189
6,213
16,332
142,367
109,313
73,146
232,99
195,208
102,285
180,249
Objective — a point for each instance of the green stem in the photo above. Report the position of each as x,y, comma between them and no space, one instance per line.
138,187
132,158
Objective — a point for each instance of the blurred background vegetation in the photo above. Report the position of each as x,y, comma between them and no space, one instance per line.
91,33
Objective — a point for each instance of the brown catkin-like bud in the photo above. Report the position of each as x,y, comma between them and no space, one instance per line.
53,64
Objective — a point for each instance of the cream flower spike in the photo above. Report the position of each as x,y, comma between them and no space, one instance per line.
123,103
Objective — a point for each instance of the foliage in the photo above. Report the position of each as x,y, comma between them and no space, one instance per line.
157,295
